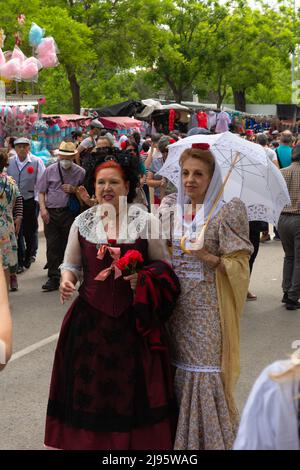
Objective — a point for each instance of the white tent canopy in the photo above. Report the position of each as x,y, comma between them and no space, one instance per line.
153,105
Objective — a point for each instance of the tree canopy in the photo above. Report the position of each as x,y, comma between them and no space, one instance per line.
113,50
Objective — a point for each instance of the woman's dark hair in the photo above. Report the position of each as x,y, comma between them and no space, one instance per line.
132,143
3,159
129,164
275,144
174,136
145,146
76,134
137,137
11,141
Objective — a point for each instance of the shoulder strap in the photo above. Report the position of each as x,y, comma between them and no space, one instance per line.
278,159
60,173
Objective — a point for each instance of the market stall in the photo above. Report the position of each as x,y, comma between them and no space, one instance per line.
51,129
17,118
165,118
122,124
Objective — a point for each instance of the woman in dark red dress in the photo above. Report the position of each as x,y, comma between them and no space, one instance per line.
111,385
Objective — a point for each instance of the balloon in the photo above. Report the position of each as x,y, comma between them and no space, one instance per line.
35,35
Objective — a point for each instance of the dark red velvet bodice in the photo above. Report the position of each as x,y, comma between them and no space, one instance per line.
112,296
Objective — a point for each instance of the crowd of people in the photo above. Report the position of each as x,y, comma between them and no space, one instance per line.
148,353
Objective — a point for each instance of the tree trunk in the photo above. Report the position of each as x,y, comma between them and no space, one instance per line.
240,100
220,100
178,96
75,90
177,93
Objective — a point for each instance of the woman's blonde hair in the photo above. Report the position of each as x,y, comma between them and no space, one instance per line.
203,155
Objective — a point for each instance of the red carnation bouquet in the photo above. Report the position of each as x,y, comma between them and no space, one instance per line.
129,262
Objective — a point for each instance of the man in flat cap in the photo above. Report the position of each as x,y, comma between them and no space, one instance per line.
27,170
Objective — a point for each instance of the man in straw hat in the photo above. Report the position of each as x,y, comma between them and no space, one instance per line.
58,183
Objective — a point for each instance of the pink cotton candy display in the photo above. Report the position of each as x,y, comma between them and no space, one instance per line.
46,52
11,69
18,54
49,60
30,69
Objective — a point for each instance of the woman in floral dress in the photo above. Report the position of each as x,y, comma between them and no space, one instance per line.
9,196
204,329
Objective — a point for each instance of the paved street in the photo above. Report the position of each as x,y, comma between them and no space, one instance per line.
268,331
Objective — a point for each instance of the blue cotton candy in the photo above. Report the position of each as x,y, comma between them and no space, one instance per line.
35,35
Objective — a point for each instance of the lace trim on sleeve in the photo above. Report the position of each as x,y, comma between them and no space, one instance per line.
75,269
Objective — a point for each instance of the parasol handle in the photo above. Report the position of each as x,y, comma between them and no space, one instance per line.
201,236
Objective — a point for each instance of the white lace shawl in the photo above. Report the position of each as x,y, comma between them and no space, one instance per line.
140,224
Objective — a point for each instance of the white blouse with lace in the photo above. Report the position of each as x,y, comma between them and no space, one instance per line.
138,223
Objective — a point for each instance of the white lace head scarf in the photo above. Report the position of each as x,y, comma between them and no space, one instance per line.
192,228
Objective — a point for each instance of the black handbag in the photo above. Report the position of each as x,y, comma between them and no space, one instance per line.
73,203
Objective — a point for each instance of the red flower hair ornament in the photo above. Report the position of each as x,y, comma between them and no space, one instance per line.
30,170
201,146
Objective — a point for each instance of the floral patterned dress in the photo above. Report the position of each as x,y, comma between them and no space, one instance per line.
195,335
8,193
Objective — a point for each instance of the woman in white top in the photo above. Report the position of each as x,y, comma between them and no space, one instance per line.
271,417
